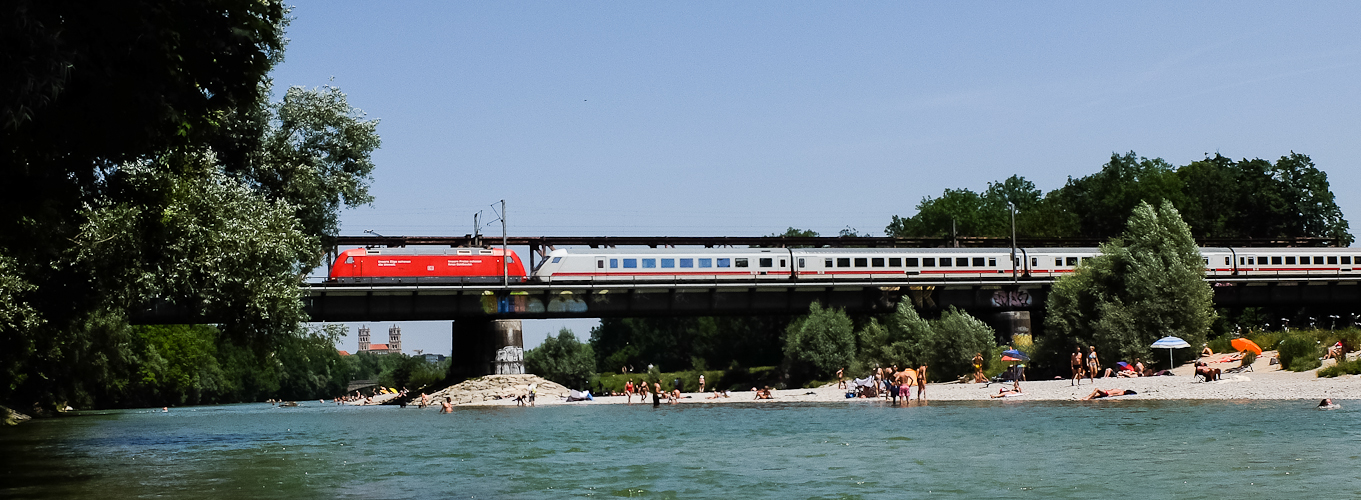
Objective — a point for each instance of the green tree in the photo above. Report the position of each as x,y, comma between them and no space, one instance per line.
946,345
562,359
1145,285
818,344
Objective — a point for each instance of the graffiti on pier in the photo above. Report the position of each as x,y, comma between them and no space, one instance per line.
521,302
1012,298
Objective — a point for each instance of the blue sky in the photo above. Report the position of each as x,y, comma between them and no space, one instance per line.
726,118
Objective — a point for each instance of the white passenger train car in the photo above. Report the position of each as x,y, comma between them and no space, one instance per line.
924,264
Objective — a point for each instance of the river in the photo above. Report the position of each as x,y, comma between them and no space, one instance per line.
993,449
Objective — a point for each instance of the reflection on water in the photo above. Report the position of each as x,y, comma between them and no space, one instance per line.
1181,449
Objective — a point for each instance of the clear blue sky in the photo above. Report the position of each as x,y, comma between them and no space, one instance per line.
744,118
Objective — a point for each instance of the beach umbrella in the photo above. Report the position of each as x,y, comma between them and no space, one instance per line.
1170,343
1246,345
1016,354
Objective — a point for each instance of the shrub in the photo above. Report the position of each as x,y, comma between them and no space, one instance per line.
816,345
1342,368
563,359
1299,352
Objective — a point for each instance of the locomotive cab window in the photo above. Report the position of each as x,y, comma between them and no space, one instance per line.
740,262
766,262
349,260
877,262
557,260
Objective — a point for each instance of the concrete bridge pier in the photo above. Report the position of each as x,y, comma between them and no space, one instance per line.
486,347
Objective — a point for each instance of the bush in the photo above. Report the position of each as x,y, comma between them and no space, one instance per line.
563,359
816,345
1342,368
1299,352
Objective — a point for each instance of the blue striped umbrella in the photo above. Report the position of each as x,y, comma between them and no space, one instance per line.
1170,343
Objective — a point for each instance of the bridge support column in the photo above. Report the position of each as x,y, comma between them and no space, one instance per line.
1011,323
486,347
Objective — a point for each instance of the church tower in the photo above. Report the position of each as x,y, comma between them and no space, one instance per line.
395,340
363,338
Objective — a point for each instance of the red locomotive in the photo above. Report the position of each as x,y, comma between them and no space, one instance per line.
426,265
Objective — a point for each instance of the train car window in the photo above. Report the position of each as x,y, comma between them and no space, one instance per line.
1072,261
614,263
1290,260
862,262
978,262
668,262
1332,259
962,261
1346,260
910,261
349,260
1058,261
740,262
1318,260
826,262
992,262
465,252
1304,260
1276,260
599,264
724,262
557,260
945,262
1252,261
1206,260
801,263
1227,261
843,262
895,262
687,262
928,262
706,262
650,263
765,262
630,263
877,262
781,262
1034,262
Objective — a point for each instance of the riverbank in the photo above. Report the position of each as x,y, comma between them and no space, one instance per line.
1264,382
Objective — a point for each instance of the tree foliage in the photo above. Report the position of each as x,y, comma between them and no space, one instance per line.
145,164
1219,198
1143,286
818,344
562,359
673,343
947,345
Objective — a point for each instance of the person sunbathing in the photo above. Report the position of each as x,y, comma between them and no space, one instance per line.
1014,390
1204,370
1098,393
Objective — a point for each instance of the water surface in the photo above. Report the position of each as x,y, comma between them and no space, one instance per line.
1012,449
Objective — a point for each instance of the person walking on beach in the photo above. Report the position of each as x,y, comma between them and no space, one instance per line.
840,378
701,383
1093,364
628,391
1077,366
921,383
978,377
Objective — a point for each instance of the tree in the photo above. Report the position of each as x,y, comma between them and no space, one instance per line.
965,213
946,345
1103,200
563,360
818,344
1147,284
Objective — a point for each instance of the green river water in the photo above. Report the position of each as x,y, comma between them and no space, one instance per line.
994,449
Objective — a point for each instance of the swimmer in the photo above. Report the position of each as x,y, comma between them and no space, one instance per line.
447,406
1328,404
165,409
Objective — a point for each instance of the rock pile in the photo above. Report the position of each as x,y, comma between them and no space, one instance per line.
494,387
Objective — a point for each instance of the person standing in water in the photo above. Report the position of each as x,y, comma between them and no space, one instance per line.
447,406
656,394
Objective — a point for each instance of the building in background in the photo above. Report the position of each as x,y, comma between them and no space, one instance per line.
394,345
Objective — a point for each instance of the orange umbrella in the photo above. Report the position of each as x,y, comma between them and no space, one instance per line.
1246,345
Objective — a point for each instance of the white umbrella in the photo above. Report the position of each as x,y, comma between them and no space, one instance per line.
1170,343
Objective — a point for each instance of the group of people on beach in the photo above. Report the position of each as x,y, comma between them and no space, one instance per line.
890,383
1089,365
